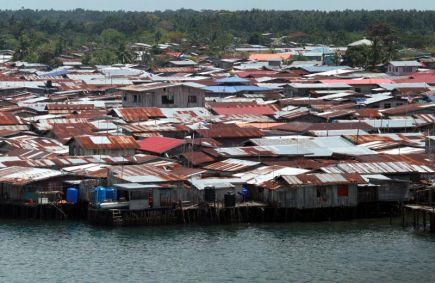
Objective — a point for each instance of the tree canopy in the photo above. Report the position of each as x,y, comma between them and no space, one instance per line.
36,35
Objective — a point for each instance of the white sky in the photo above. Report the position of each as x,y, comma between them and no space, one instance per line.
150,5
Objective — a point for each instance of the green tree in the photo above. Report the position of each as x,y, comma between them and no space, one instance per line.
384,39
125,55
46,54
357,56
23,49
111,37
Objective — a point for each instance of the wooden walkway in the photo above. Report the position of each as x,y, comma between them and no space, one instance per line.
423,217
238,205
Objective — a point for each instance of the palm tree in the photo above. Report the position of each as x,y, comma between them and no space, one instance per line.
125,55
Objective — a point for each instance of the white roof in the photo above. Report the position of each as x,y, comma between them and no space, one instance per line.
267,173
405,64
364,41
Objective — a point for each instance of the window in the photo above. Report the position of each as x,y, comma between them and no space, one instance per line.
191,99
358,89
387,105
125,97
134,98
321,193
167,100
342,191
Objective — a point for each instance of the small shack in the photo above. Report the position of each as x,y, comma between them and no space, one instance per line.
140,196
309,191
24,184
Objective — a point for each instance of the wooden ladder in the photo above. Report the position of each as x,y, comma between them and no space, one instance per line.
117,217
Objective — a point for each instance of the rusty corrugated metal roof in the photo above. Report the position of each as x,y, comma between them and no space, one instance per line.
175,70
197,157
378,168
147,87
38,143
143,173
69,106
324,179
229,131
397,138
64,132
429,118
242,108
21,176
135,128
409,108
7,118
232,165
137,114
335,114
305,126
106,142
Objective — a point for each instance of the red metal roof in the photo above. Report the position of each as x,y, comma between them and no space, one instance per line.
159,145
420,77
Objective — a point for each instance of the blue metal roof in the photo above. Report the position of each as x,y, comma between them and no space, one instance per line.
236,88
55,73
231,80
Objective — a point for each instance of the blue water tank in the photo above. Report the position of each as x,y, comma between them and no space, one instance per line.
99,194
72,195
111,194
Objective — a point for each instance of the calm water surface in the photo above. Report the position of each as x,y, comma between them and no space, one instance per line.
358,251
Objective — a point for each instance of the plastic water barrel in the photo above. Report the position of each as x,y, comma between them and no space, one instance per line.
99,194
72,195
245,193
111,194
